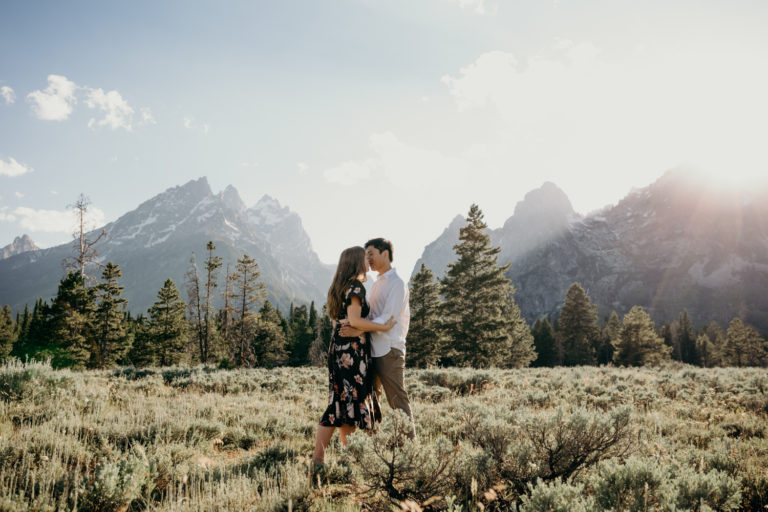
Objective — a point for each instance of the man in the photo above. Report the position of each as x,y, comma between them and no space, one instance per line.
389,297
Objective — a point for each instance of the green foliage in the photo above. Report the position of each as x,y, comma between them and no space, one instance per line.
744,346
685,339
318,351
637,343
481,323
556,496
116,484
301,336
8,333
247,293
544,341
167,328
578,334
268,338
636,485
424,346
111,342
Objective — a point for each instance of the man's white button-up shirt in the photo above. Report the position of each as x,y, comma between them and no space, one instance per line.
389,297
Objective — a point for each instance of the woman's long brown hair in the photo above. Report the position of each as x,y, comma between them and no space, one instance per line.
351,264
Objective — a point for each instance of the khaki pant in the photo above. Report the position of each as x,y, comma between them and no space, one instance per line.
389,375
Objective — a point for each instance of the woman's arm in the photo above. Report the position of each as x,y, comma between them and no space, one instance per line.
356,321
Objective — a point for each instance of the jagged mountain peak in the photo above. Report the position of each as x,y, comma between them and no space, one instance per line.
546,201
231,198
19,245
268,211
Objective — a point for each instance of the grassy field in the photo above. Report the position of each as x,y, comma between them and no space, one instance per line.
183,439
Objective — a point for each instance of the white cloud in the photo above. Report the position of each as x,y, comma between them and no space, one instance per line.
13,168
54,192
403,165
303,168
187,122
206,127
8,95
117,113
350,173
55,102
477,6
18,194
146,116
6,217
56,221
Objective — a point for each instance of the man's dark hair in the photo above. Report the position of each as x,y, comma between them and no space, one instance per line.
381,244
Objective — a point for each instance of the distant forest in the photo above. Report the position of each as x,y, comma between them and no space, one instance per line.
468,318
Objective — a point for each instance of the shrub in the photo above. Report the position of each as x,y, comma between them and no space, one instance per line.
638,484
555,496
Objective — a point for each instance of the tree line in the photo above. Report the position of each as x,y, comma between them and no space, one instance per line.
469,318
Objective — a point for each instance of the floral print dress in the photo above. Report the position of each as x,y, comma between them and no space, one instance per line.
351,399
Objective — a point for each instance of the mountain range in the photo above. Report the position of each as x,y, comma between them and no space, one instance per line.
157,239
681,242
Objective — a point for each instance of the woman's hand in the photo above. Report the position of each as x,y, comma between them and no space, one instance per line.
390,323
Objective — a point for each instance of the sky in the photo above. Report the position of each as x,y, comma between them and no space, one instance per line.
371,118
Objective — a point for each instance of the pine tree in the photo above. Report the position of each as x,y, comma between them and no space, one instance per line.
578,333
227,312
686,338
318,351
167,325
313,319
248,292
717,337
544,341
744,346
610,335
194,306
477,331
705,350
424,347
212,265
269,341
638,344
666,333
301,336
7,332
111,340
143,350
72,314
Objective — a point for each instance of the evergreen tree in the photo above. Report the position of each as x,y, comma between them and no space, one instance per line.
318,351
544,341
686,338
578,333
666,333
637,343
477,295
7,332
717,337
269,341
744,346
143,350
301,336
111,339
610,335
195,308
167,325
212,265
313,319
705,351
72,314
227,312
423,332
34,339
247,293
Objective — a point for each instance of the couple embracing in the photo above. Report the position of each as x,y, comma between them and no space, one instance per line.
367,351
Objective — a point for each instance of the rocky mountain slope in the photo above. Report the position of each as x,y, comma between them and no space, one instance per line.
156,241
19,245
682,242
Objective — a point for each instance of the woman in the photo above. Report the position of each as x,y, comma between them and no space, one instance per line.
352,402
